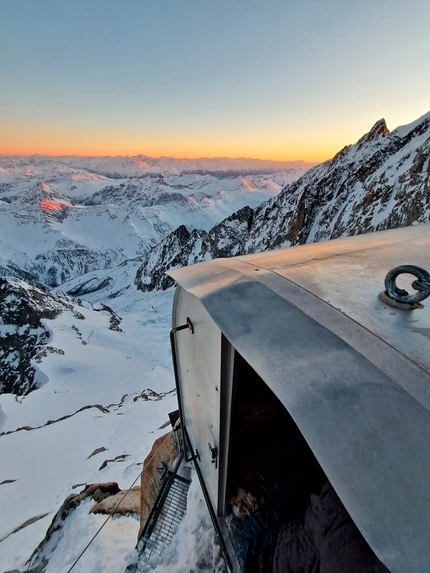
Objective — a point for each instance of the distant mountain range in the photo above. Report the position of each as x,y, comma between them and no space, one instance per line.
136,166
63,217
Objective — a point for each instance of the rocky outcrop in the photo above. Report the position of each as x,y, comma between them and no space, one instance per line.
182,247
25,333
109,499
163,453
121,503
23,337
185,247
97,491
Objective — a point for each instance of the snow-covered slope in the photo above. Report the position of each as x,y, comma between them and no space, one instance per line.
381,182
104,382
107,388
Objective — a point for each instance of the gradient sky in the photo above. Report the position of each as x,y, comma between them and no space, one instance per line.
271,79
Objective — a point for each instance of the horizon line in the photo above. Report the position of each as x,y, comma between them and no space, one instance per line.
101,156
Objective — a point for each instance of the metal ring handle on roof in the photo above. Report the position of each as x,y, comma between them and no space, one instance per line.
421,285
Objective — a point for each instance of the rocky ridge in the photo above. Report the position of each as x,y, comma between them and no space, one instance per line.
24,338
184,247
381,182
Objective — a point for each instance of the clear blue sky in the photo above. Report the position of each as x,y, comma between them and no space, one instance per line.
280,79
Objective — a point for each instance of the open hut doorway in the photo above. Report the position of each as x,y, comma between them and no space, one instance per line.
283,516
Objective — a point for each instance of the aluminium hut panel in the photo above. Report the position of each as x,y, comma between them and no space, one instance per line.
363,407
349,274
199,369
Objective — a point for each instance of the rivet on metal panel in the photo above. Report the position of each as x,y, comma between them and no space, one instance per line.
400,298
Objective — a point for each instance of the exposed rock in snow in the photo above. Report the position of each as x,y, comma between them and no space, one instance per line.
40,558
184,247
121,503
25,334
24,338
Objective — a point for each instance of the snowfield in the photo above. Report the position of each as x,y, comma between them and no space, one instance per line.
106,372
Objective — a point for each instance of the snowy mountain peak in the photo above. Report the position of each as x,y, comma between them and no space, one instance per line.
380,129
45,196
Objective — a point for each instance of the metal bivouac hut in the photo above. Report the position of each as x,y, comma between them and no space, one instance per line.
304,396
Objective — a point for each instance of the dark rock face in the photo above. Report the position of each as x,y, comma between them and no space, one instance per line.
181,247
184,247
381,182
23,337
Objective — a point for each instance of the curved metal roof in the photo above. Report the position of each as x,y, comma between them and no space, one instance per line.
353,372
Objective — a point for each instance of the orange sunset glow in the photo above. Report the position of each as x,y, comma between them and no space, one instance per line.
48,205
247,185
272,186
308,143
281,152
321,76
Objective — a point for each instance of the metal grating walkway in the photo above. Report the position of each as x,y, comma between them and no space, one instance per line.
168,511
171,513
